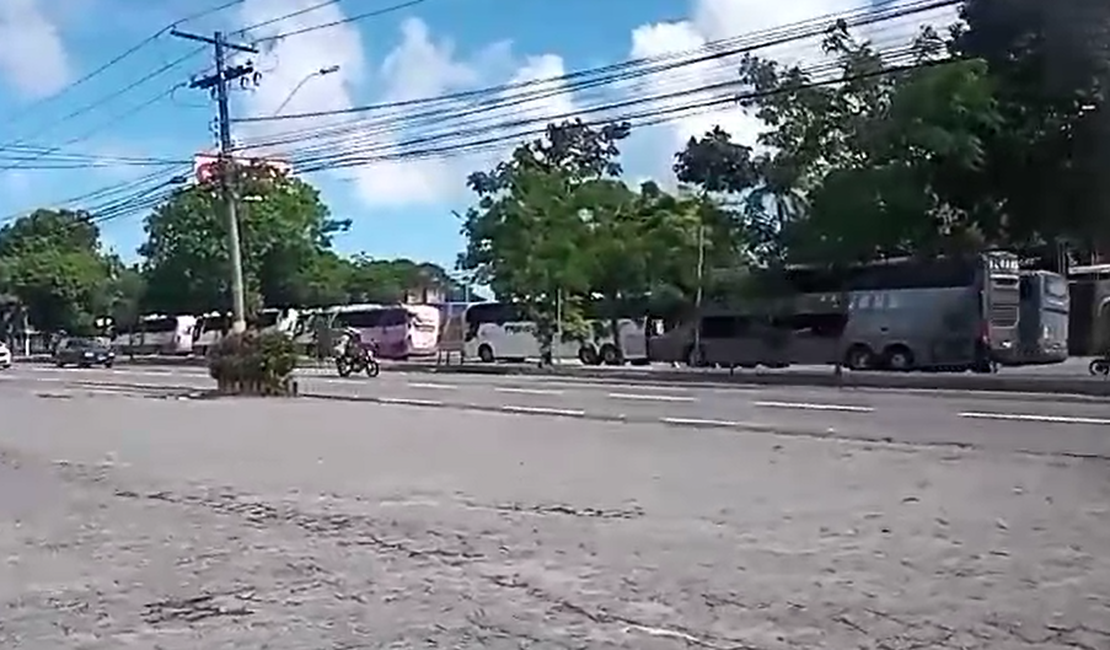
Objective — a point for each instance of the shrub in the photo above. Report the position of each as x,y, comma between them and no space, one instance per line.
253,363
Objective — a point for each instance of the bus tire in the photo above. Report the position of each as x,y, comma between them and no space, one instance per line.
610,355
588,355
485,353
859,357
898,357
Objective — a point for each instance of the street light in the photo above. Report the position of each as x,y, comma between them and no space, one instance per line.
322,72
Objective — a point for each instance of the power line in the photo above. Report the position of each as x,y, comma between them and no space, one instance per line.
107,98
90,132
273,21
780,35
448,116
34,106
350,19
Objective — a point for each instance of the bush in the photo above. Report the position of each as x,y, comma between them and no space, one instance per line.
254,363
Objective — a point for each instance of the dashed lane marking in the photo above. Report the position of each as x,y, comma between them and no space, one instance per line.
404,401
652,398
539,410
526,391
807,406
1033,417
432,386
698,422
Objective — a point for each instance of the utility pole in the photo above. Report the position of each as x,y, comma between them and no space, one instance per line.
700,292
219,80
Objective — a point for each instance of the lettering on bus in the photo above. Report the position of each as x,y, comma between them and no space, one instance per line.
519,328
1002,264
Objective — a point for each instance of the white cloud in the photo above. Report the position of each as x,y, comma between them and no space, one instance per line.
420,67
32,55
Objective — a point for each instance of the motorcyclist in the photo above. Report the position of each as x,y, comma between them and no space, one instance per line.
351,345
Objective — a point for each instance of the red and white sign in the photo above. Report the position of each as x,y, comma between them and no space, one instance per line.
206,165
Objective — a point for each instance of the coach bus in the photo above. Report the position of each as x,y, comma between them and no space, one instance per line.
1043,325
948,313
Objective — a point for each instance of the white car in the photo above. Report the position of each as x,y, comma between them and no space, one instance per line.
5,356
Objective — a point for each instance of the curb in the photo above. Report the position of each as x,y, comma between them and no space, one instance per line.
1095,387
1086,386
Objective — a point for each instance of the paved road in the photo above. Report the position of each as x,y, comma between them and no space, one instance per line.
131,522
1039,424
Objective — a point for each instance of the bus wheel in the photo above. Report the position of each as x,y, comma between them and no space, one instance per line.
588,355
610,355
485,353
859,357
695,357
898,357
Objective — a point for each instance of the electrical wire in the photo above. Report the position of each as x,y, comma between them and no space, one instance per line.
344,21
109,97
522,129
124,199
762,39
93,131
117,59
448,117
299,12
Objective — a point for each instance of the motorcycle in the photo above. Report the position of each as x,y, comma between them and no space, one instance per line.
349,362
1099,366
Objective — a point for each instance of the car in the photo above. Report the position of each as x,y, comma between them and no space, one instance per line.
5,356
84,353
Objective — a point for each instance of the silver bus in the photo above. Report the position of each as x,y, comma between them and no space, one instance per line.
951,313
1043,325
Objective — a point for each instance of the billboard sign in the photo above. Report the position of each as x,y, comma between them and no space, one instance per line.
207,164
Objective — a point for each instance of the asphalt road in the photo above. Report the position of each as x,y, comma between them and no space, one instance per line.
1031,423
176,524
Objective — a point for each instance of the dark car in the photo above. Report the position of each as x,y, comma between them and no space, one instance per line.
84,353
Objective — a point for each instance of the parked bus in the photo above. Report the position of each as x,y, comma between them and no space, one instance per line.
1089,310
502,331
1043,325
208,331
158,334
274,319
945,314
398,331
629,345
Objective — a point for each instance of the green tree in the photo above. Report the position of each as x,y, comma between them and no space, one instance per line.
285,230
125,291
51,262
530,235
1049,66
386,281
876,164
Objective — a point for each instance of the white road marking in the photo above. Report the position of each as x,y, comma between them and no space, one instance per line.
432,386
652,398
697,422
806,406
1032,417
539,410
404,401
526,391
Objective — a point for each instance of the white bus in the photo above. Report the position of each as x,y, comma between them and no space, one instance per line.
501,331
210,328
629,345
213,326
398,331
158,334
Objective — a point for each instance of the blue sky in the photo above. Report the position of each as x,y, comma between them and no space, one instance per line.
438,46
